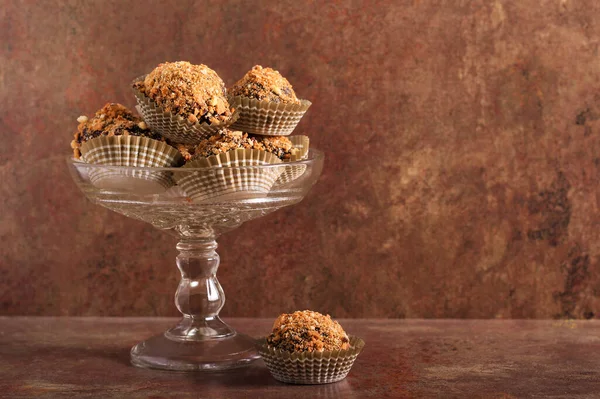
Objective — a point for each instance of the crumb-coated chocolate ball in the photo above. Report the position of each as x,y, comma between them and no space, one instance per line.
194,92
307,331
227,140
265,84
111,120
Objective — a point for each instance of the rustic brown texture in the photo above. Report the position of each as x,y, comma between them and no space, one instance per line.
494,359
462,144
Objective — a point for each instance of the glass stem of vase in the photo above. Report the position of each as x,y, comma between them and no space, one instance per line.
199,296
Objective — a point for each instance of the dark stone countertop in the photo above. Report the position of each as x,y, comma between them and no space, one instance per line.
89,358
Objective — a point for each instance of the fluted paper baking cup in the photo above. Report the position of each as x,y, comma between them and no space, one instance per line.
217,182
267,118
293,172
301,143
133,181
130,151
175,127
310,367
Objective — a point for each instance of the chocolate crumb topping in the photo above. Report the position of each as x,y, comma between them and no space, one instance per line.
194,92
186,150
111,120
265,84
307,331
227,140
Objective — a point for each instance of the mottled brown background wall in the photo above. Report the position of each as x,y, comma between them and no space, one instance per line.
462,142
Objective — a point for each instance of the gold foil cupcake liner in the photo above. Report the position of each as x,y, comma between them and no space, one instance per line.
310,367
130,151
294,172
175,127
217,182
267,118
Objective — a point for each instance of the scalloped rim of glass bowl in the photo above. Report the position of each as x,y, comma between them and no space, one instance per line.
313,155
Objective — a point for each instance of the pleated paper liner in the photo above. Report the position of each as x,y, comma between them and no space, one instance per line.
175,127
294,172
217,182
130,151
301,143
132,181
265,117
310,367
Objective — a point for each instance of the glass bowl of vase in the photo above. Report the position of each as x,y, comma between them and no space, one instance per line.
197,205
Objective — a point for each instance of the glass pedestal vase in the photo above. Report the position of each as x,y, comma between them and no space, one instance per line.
201,340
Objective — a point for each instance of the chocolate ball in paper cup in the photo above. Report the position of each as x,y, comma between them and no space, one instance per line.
113,119
309,348
267,103
116,152
183,102
233,175
216,180
116,137
226,140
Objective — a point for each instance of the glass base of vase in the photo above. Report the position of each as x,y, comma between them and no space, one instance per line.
213,354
